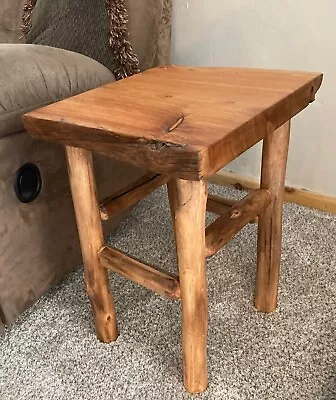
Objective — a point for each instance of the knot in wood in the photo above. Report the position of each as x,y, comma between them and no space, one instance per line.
156,145
235,213
176,124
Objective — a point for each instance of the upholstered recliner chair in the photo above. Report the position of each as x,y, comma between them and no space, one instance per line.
39,241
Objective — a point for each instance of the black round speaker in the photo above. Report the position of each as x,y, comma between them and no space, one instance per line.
28,183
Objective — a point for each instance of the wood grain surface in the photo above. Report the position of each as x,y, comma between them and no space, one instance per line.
219,205
273,172
223,229
296,195
84,195
188,201
184,121
131,195
130,268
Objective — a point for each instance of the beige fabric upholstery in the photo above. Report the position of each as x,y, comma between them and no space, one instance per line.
144,13
10,20
156,31
45,74
153,45
39,241
33,76
52,20
163,45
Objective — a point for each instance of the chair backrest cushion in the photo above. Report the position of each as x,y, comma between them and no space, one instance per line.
97,29
150,38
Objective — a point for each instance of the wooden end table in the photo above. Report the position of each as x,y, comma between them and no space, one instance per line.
182,124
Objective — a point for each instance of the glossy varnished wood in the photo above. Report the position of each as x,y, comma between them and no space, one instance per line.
188,203
83,189
219,205
222,230
130,268
292,195
184,121
131,195
273,172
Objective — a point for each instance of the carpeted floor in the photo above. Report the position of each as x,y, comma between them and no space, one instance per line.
52,352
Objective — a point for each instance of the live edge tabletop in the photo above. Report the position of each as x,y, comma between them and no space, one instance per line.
158,120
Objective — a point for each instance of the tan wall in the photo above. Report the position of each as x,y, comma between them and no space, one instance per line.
286,34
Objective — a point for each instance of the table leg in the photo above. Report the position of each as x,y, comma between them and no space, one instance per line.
274,160
83,188
188,203
172,196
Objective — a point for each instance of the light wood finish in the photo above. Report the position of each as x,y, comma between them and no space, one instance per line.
310,199
302,197
151,278
227,226
172,195
83,188
219,205
131,195
184,121
274,161
188,200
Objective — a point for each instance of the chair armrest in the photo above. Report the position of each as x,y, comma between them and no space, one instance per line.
32,76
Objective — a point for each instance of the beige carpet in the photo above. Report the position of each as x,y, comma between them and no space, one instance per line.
52,352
